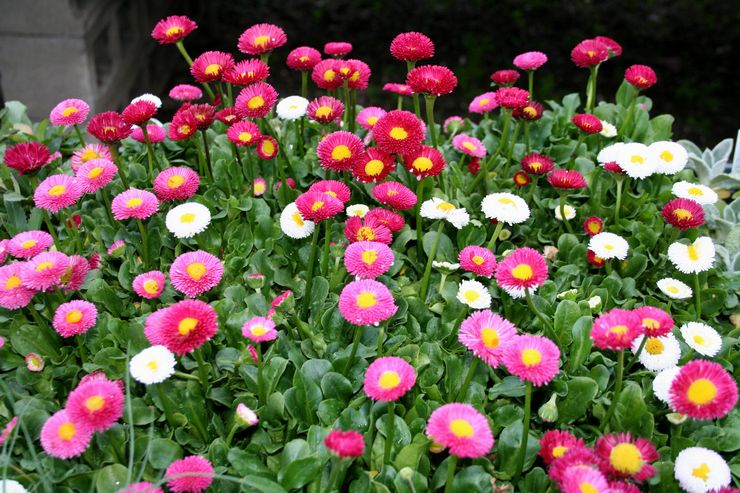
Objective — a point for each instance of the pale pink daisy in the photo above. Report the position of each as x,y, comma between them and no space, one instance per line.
194,273
484,103
134,203
193,474
462,429
74,277
616,329
156,133
533,359
486,334
69,112
366,302
584,479
95,174
96,402
29,243
74,317
57,192
388,378
369,116
531,60
185,92
478,260
259,186
259,329
44,271
469,145
63,438
150,284
87,153
13,294
368,259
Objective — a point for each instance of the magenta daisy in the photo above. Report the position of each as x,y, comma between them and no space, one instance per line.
531,60
141,487
337,48
325,109
211,66
63,438
368,259
185,92
57,192
255,100
576,457
318,206
399,132
655,322
462,429
367,229
303,58
25,157
173,28
176,183
182,327
74,317
523,269
366,302
44,271
424,161
345,444
394,194
247,72
192,474
244,133
533,359
469,145
478,260
261,38
13,293
335,188
29,243
74,276
703,390
373,166
87,153
69,112
96,403
623,456
369,116
554,444
486,334
194,273
388,379
483,103
392,220
584,479
150,284
95,174
616,329
338,151
134,203
259,329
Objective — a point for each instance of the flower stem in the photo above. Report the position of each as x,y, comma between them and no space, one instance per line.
309,274
203,371
687,357
75,233
533,186
390,428
419,231
207,155
468,379
617,390
562,214
492,242
510,150
353,352
381,340
325,257
186,56
637,354
530,77
260,383
591,89
399,102
304,84
144,242
166,404
620,183
430,260
230,436
543,318
81,349
108,206
335,466
149,151
417,107
429,100
121,171
79,135
526,137
450,473
299,136
525,432
697,295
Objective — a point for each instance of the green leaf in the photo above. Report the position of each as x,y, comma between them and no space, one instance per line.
110,478
163,452
581,392
631,413
444,248
509,386
581,346
508,449
409,455
336,386
566,315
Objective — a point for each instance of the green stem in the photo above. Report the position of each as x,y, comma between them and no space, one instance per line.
419,231
335,466
144,241
81,349
238,159
186,56
390,428
75,232
149,151
168,413
381,340
687,357
429,100
580,140
525,432
399,102
630,111
121,171
510,148
230,436
620,183
353,352
450,473
617,390
492,242
79,135
428,268
533,186
203,371
637,354
526,137
304,84
207,155
591,89
220,89
697,295
562,214
260,383
468,379
108,206
327,240
530,78
608,265
299,136
309,274
417,107
543,318
347,115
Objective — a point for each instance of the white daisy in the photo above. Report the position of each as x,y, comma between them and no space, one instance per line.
292,108
505,207
699,469
609,153
474,294
148,97
694,191
246,416
459,218
293,224
153,365
662,383
702,338
436,208
694,258
608,246
188,219
11,486
358,210
570,213
594,302
636,160
673,288
670,156
659,353
445,266
608,130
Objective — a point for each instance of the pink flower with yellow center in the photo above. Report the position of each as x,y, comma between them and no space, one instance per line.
211,66
589,53
96,403
74,317
640,76
487,334
267,147
394,194
683,213
537,164
150,284
523,269
95,174
366,302
44,271
369,116
616,329
399,132
587,123
469,145
63,438
623,456
13,293
261,38
533,359
182,327
593,225
326,74
173,29
584,480
345,444
193,474
392,220
388,378
575,458
358,229
176,183
108,127
655,322
325,109
57,192
462,429
247,72
134,203
424,161
259,186
243,133
88,153
256,100
335,188
29,243
478,260
338,151
368,259
318,206
194,273
259,329
483,103
373,166
412,47
554,444
703,390
303,58
69,112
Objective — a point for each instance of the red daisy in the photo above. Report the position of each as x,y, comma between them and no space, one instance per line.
640,76
373,166
425,161
683,213
412,47
431,79
593,225
227,116
587,122
267,147
205,114
173,29
26,156
530,111
505,77
303,58
395,195
211,66
623,456
337,48
247,72
554,444
139,113
326,74
566,179
589,52
108,126
325,109
367,229
592,259
338,151
521,179
615,49
537,164
399,132
393,220
261,38
511,97
359,78
183,126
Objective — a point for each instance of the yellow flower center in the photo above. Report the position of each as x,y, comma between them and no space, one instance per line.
153,365
693,252
95,172
489,337
654,346
471,295
196,270
391,193
213,69
626,458
682,214
245,137
484,102
67,431
259,187
522,272
12,282
259,330
587,488
506,201
666,156
69,110
44,265
695,191
317,205
389,380
329,75
73,316
478,260
174,31
187,218
340,153
89,154
372,120
184,129
469,145
256,102
323,111
57,190
366,233
366,299
461,428
529,111
29,243
650,324
94,403
374,167
701,472
618,329
535,165
261,41
699,340
303,58
636,158
369,256
268,147
559,451
175,181
594,227
187,325
398,133
672,289
297,219
531,357
702,391
445,206
422,164
135,202
151,286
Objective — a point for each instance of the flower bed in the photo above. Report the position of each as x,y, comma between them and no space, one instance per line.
283,293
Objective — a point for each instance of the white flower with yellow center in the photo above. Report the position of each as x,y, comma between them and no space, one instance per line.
505,207
610,153
188,219
293,224
153,365
608,130
662,383
673,288
474,294
699,470
658,353
608,246
636,160
670,156
292,108
570,213
702,338
436,208
693,258
694,191
358,210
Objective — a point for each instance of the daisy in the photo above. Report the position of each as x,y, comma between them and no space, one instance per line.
318,206
616,329
243,133
335,188
533,359
338,151
325,109
108,127
255,100
29,243
173,29
673,288
247,72
473,294
683,213
593,225
537,164
211,66
412,47
69,112
659,352
64,438
662,383
608,246
88,153
554,444
655,322
636,160
570,212
176,183
292,108
478,260
521,179
345,444
259,329
337,48
576,458
26,156
227,116
505,207
693,258
154,364
245,415
399,132
462,429
193,474
141,487
373,166
57,192
436,208
702,338
293,224
44,271
511,97
326,74
261,38
34,362
483,103
188,219
11,486
95,174
388,379
703,390
587,123
267,148
532,110
96,403
608,130
589,53
695,191
531,60
368,259
447,266
700,470
184,326
671,157
134,203
369,229
183,126
369,116
149,285
194,273
139,113
584,479
358,210
640,76
394,194
185,92
487,335
469,145
259,186
523,269
435,80
566,179
74,317
392,220
366,302
303,58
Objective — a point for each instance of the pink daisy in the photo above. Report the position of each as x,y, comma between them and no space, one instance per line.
524,268
95,174
13,293
335,188
537,164
116,247
469,145
584,479
261,38
369,116
360,76
436,80
624,487
255,100
453,124
345,443
267,147
185,92
176,183
338,151
194,273
531,60
259,329
623,456
29,243
703,390
511,97
337,48
139,112
616,329
424,161
655,322
373,166
44,271
615,49
326,74
303,58
394,194
69,112
243,133
505,77
462,429
96,403
368,259
247,72
412,46
589,53
64,438
325,109
134,203
9,426
259,186
173,28
400,89
74,276
367,229
388,379
3,250
211,65
88,153
74,317
192,474
142,487
227,116
26,156
366,302
156,133
281,301
150,284
57,192
484,103
318,206
577,457
486,334
399,132
109,127
184,326
478,260
532,358
392,220
554,444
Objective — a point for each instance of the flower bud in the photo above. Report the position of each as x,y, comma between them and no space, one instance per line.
548,411
568,295
504,235
676,418
550,252
245,416
594,302
255,281
34,362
